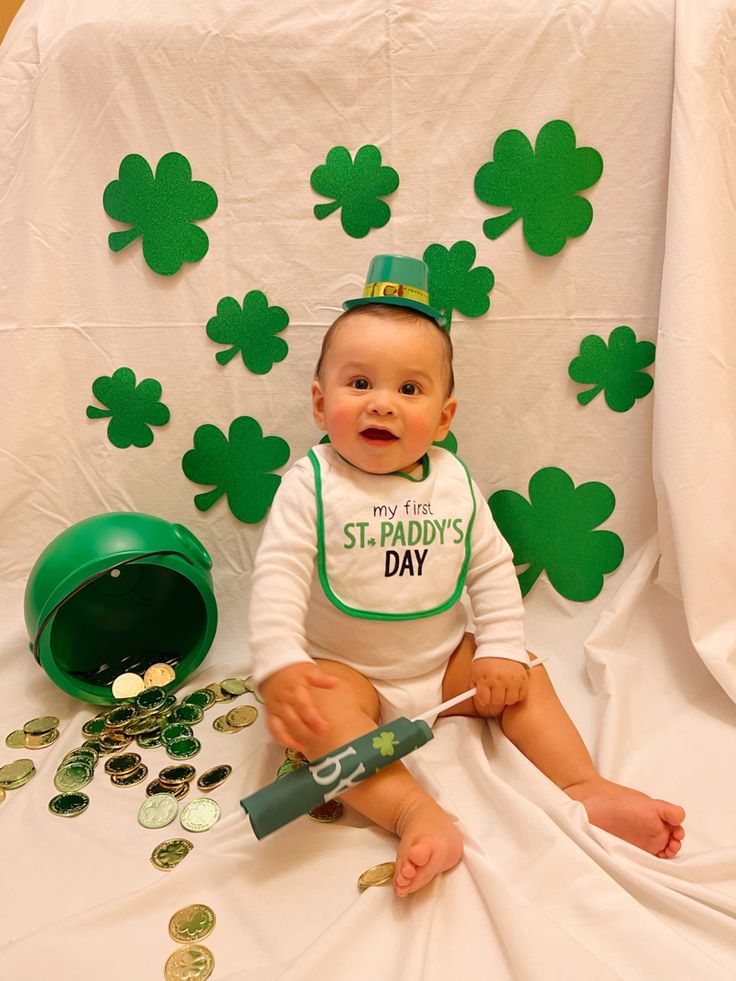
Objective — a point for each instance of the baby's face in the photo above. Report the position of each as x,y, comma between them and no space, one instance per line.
382,397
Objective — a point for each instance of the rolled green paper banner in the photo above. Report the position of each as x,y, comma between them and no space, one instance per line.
302,790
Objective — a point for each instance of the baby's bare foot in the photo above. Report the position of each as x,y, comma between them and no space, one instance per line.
430,844
654,825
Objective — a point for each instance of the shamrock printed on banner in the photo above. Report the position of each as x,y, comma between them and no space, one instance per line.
555,531
162,209
385,742
356,187
540,186
454,284
250,330
239,467
616,370
132,409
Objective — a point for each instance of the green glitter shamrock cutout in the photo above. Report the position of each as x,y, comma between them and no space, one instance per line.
240,468
615,370
384,742
540,186
454,284
554,530
250,329
132,409
356,187
162,209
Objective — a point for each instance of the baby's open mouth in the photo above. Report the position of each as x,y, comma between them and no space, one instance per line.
380,435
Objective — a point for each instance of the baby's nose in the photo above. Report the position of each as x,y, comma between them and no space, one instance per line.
382,404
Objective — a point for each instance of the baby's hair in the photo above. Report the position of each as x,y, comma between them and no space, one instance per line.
395,313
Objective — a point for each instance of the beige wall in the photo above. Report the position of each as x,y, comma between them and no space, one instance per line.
8,10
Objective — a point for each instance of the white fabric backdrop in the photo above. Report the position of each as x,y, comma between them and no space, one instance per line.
254,96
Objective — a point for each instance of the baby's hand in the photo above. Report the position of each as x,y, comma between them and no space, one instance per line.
291,714
500,681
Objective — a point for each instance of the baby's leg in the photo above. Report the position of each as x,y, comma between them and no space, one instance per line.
430,842
544,732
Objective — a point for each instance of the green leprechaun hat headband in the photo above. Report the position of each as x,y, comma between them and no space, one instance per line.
397,280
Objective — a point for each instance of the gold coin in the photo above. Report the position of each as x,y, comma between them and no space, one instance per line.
128,685
159,675
16,739
41,740
191,963
43,724
2,795
169,853
233,686
296,756
242,716
17,770
122,764
200,814
220,695
222,725
192,923
378,875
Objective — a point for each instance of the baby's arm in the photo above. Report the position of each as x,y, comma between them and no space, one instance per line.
501,664
283,671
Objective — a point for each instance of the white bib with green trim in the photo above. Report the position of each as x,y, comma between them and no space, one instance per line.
390,546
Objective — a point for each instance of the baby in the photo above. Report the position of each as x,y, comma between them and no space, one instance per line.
356,609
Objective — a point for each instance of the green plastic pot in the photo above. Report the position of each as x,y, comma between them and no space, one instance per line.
117,588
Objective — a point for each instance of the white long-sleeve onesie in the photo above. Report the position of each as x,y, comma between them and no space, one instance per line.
292,620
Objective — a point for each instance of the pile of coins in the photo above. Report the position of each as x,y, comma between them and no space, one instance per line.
14,775
193,961
73,774
326,813
36,734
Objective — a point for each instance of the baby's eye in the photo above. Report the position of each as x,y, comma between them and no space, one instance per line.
409,388
360,383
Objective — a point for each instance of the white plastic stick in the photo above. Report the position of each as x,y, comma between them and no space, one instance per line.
445,705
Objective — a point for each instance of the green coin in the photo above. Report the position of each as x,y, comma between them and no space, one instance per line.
94,727
130,779
37,727
68,805
169,703
11,773
174,731
158,811
169,853
234,686
177,790
149,740
288,766
149,723
177,773
121,716
84,754
202,698
214,776
183,748
151,699
187,713
327,813
16,739
73,776
122,763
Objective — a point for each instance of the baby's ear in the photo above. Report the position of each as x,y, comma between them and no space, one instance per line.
448,414
318,404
